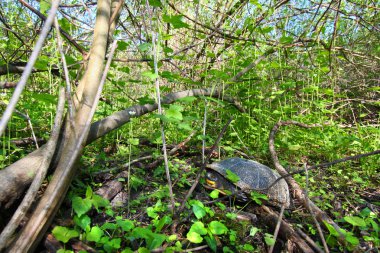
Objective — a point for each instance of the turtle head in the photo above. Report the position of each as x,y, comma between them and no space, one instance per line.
217,181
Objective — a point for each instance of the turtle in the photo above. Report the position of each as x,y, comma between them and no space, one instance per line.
252,176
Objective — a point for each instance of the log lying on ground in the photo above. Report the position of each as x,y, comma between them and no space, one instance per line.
17,176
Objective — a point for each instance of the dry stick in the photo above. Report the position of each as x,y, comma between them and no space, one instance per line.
65,70
204,165
155,57
30,196
321,215
309,240
31,129
28,68
277,228
312,213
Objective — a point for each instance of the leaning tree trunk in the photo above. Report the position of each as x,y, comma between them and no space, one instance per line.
77,132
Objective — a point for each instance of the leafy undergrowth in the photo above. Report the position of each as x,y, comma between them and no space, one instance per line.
145,223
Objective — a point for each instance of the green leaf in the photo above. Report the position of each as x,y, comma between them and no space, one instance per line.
65,251
198,210
174,112
122,45
45,6
162,222
355,221
199,228
109,226
214,194
175,20
149,74
217,228
95,234
81,206
231,216
64,234
286,40
144,47
99,201
126,225
269,240
253,231
155,3
248,247
232,176
352,240
114,243
83,221
194,237
89,192
184,126
211,242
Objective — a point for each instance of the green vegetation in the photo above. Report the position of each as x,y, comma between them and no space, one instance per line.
305,61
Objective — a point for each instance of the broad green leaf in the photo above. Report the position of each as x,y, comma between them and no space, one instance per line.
81,206
199,228
126,225
95,234
83,221
214,194
352,240
199,210
122,45
173,113
114,243
269,240
64,234
99,201
184,126
175,20
355,221
217,228
109,225
248,247
194,237
149,74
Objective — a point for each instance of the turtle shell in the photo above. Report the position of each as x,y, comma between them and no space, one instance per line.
255,176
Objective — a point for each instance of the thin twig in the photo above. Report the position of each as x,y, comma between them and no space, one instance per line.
155,55
320,232
277,229
65,71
